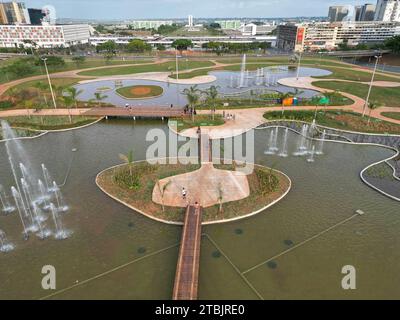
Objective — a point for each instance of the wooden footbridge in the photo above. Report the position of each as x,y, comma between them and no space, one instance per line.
187,271
136,111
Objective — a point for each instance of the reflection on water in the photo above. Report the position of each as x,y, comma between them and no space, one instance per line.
107,235
173,93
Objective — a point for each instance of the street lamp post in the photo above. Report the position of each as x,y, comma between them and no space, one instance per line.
177,75
48,78
377,57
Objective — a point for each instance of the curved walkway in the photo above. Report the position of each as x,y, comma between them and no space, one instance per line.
357,106
70,74
217,64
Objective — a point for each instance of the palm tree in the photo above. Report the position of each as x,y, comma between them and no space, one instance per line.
99,97
162,191
372,106
28,104
128,159
212,95
220,198
73,93
68,101
193,97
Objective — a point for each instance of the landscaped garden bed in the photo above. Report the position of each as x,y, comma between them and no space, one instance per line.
199,121
140,92
49,122
133,185
343,120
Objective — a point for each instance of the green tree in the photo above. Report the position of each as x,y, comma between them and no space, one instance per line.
20,68
52,61
161,47
211,97
220,199
167,29
162,192
73,93
128,159
393,44
99,97
79,60
192,96
100,28
108,48
264,46
138,45
372,106
182,44
68,102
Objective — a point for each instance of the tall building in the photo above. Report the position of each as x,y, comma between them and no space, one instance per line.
229,24
288,36
324,35
36,16
338,13
149,24
45,36
14,13
190,21
358,12
388,10
367,12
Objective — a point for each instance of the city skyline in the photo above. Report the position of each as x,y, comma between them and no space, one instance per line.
166,9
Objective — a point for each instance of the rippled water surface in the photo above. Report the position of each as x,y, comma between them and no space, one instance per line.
173,93
108,235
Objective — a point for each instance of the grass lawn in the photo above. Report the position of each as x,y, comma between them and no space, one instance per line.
389,97
392,115
193,74
355,75
65,82
49,122
162,67
281,60
70,65
26,96
264,189
199,121
338,120
140,92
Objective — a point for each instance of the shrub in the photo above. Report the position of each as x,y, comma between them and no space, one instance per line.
125,180
5,104
268,182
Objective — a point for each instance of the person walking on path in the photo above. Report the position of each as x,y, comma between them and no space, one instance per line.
184,194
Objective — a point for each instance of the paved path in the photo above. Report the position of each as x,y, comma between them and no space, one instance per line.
69,74
43,112
205,147
203,186
149,112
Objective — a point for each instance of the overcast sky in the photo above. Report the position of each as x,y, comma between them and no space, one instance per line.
142,9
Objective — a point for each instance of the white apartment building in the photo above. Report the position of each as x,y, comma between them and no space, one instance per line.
229,24
388,10
45,36
325,35
149,24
